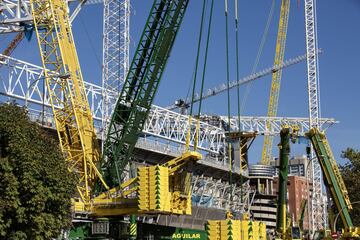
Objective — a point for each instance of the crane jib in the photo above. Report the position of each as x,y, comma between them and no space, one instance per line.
141,86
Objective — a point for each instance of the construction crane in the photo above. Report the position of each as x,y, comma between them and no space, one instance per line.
140,87
318,213
74,123
185,103
161,189
116,41
333,181
284,230
276,77
13,44
26,27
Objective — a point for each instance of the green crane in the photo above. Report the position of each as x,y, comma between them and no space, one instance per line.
300,221
284,151
332,179
137,95
284,230
332,176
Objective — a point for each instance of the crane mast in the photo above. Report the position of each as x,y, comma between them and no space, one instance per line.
284,152
116,40
276,77
74,121
64,81
332,176
141,84
318,213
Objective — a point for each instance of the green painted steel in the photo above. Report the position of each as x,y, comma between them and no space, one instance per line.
140,87
173,233
331,182
302,214
284,148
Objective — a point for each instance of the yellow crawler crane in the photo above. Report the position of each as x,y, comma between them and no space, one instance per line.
157,189
276,77
74,121
64,81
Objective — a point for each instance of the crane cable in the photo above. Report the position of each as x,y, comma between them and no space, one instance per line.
203,74
228,95
260,50
188,135
238,95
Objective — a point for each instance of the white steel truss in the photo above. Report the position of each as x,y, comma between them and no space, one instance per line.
318,218
116,41
210,192
15,15
245,80
311,60
24,81
258,124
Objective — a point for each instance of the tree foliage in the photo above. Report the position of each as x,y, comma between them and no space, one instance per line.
351,175
35,185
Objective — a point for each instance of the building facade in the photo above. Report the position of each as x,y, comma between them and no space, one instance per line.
298,191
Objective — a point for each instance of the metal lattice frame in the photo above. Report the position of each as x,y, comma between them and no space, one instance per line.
334,181
142,81
276,77
116,40
318,218
15,15
273,125
215,193
62,73
24,81
211,92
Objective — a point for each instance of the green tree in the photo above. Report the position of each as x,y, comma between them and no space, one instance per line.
35,185
351,175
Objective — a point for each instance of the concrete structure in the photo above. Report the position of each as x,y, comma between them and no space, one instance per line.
297,165
263,208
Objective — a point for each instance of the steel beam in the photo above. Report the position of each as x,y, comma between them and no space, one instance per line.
15,15
24,81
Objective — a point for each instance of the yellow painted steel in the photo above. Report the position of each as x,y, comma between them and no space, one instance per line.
133,229
74,123
276,77
351,233
177,163
246,139
337,173
163,189
235,229
153,192
334,166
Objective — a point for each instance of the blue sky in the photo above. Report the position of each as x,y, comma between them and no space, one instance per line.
338,36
